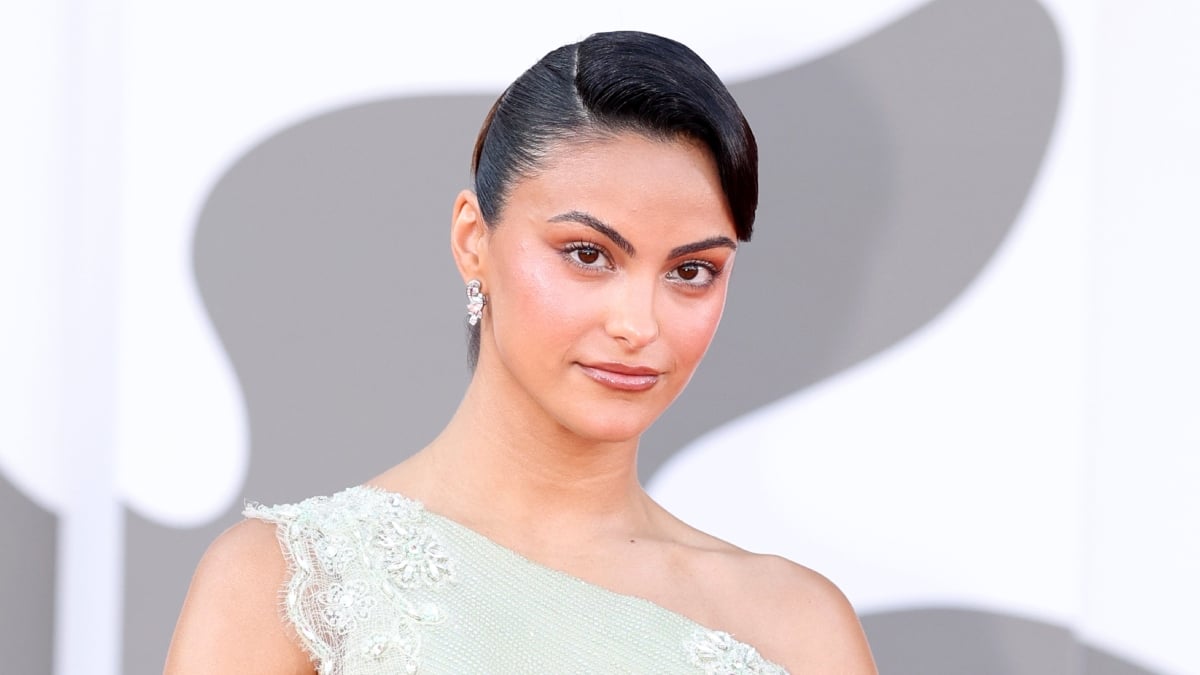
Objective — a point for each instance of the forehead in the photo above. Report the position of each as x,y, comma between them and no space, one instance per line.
629,180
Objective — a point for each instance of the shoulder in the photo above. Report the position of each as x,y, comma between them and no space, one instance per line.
230,620
793,615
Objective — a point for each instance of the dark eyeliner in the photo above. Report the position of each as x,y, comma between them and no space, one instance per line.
714,272
586,246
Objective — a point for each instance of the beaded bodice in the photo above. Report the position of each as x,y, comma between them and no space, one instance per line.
380,585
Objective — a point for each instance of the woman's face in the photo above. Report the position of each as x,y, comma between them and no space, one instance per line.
606,278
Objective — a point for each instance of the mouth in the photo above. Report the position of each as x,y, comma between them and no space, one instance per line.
621,376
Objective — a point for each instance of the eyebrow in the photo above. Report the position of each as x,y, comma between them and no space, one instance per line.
704,245
597,225
600,226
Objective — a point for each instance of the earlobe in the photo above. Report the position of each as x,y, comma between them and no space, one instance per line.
468,236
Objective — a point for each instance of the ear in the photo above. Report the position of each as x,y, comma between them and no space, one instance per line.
468,236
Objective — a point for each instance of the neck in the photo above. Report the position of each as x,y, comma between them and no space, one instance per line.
501,461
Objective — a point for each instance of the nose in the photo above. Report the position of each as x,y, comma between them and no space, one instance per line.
631,313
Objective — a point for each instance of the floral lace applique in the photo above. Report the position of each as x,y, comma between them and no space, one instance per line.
334,552
354,558
343,606
717,653
412,553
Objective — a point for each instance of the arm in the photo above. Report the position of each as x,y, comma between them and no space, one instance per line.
230,621
794,617
821,632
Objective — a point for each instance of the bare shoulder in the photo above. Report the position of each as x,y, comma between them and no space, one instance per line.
793,615
231,621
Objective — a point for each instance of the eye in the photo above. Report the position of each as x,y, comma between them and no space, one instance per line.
697,273
587,255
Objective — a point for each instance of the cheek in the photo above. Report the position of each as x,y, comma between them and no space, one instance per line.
691,326
537,299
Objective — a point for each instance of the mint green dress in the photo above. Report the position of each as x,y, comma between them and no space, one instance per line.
379,585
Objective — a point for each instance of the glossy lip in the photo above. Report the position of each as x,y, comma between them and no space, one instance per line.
621,376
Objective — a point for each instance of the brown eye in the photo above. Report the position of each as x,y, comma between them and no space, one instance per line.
695,274
587,256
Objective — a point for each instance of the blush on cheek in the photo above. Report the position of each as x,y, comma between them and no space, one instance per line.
547,299
695,327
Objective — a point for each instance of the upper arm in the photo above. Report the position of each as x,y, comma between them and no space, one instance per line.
231,620
803,622
839,644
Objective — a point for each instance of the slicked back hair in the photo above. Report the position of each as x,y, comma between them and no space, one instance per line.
611,83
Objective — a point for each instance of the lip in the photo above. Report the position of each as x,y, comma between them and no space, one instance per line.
622,376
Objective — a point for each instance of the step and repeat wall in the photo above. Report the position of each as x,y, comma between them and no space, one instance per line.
957,372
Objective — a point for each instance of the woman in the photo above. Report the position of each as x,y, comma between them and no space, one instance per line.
613,182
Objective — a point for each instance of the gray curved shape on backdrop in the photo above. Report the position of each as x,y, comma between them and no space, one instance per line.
28,536
323,258
952,641
891,171
890,176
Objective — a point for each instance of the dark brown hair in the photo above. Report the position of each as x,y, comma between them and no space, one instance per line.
612,83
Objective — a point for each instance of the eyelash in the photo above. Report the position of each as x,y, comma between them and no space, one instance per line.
714,272
577,246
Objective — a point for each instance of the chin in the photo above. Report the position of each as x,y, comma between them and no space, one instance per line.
614,426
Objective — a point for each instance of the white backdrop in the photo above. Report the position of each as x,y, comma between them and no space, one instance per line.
119,116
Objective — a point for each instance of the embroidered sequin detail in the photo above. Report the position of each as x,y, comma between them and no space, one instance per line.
334,553
343,606
717,653
355,557
401,645
413,555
